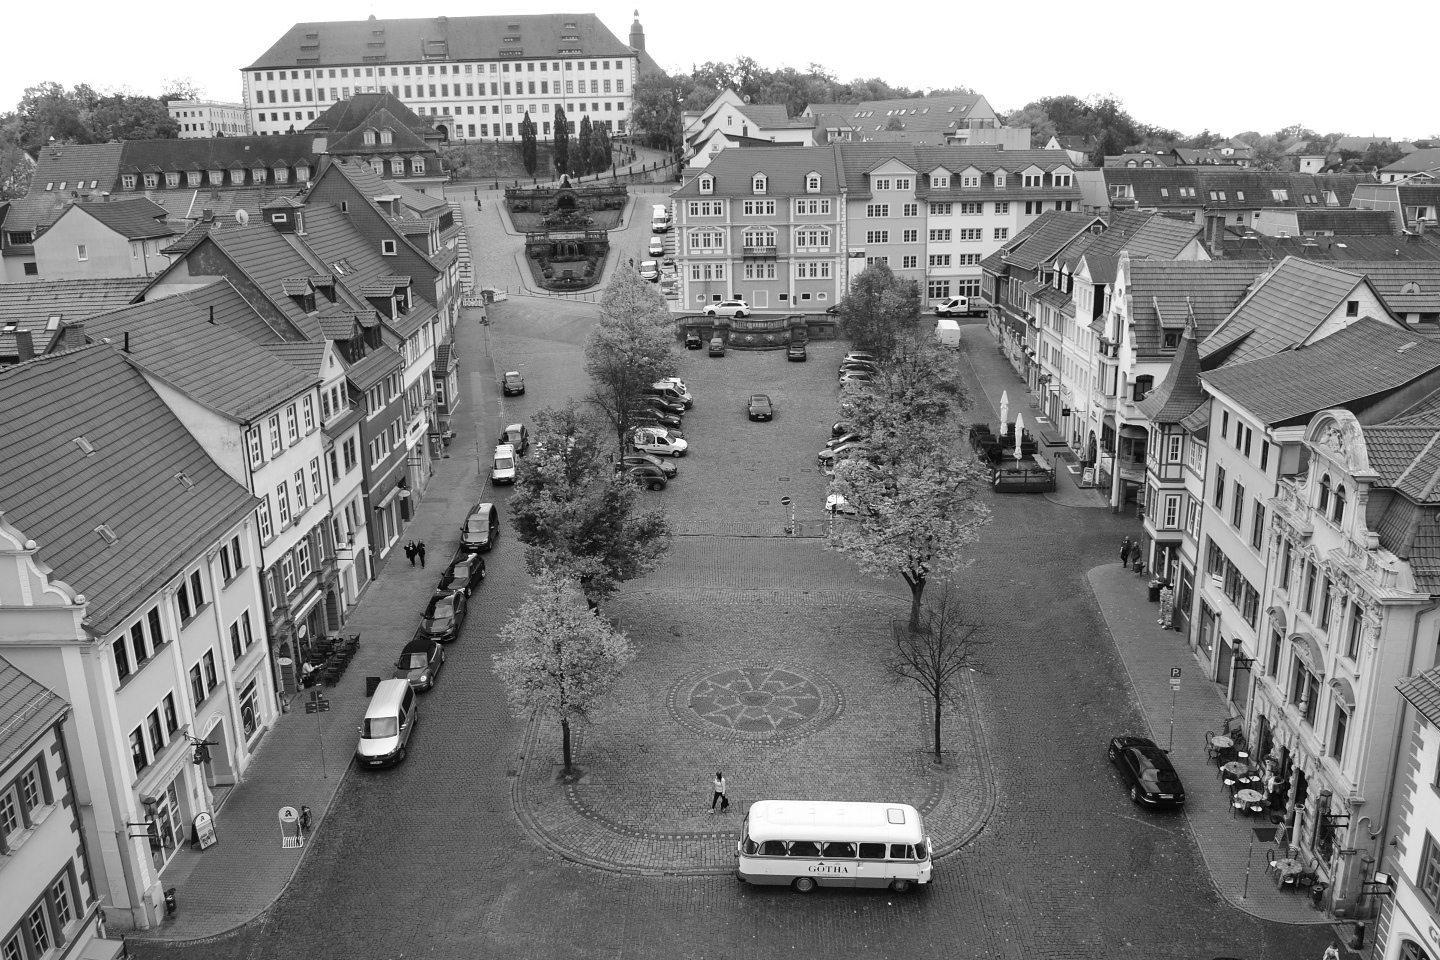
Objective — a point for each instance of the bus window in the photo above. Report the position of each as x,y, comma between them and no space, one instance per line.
872,851
840,850
901,851
773,848
804,848
750,847
919,851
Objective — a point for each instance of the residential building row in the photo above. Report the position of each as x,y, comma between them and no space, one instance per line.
472,77
208,118
788,228
276,384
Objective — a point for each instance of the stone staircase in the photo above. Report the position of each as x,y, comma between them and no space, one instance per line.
462,247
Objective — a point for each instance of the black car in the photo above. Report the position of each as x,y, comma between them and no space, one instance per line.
760,407
650,414
444,616
465,573
841,428
796,352
646,475
512,384
1148,771
661,403
693,341
636,458
420,662
833,310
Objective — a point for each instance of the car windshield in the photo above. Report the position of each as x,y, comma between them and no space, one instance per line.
412,661
503,463
442,608
378,728
475,524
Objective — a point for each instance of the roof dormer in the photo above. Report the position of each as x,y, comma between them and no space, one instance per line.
707,183
812,182
758,183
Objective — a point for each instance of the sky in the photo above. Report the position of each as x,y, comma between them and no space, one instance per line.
1225,67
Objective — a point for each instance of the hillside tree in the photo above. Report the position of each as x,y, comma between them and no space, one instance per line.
879,310
560,144
628,349
528,154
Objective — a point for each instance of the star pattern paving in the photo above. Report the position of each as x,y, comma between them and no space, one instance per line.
756,700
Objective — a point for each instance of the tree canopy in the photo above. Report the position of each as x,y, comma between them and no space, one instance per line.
628,349
880,310
528,153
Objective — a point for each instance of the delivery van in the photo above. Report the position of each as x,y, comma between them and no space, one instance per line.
947,333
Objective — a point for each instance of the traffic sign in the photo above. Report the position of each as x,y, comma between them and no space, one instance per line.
784,501
289,815
1174,673
1174,683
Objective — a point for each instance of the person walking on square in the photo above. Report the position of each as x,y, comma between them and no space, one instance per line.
719,786
410,551
1125,553
420,549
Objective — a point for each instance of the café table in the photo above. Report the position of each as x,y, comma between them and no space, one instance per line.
1287,867
1249,796
1235,768
1222,742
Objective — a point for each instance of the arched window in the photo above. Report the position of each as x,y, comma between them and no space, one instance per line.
1339,514
1410,950
1325,493
1143,386
757,185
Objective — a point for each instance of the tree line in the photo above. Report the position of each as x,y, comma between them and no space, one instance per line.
589,151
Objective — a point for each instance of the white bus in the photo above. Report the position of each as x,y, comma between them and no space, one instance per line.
805,842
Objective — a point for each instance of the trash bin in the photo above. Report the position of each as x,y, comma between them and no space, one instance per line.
370,684
1155,591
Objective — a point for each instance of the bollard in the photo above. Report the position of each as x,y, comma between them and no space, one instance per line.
1357,939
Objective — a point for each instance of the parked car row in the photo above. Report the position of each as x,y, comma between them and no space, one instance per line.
657,434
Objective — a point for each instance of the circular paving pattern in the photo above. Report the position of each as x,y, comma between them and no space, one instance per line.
759,701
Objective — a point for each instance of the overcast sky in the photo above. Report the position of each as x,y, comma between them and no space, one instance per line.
1229,67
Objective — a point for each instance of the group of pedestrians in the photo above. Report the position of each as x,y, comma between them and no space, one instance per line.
413,550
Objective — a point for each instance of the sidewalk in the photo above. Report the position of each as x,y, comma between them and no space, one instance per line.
998,379
303,758
1149,652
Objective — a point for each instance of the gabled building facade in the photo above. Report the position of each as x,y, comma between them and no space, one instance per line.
100,241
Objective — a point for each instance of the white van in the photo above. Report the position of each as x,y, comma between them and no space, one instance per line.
503,470
659,218
947,333
389,721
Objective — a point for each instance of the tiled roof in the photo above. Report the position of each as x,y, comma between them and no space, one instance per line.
444,356
31,305
1197,423
1338,248
267,259
343,42
375,366
1347,221
857,159
1408,286
1419,161
1415,194
1143,235
218,153
733,171
1367,358
372,185
919,114
59,495
134,218
1180,393
337,325
27,708
1243,189
218,366
1407,457
1423,692
1168,293
1282,312
1045,237
76,166
332,236
305,356
345,123
295,286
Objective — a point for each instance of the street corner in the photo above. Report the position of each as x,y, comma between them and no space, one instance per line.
783,701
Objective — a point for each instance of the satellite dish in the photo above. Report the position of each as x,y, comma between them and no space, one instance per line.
242,217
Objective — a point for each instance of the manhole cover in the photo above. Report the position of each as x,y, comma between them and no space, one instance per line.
755,702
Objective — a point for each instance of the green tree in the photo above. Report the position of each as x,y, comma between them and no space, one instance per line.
576,514
879,309
658,102
599,148
1033,115
181,88
584,147
124,116
560,149
912,395
528,155
559,656
628,349
938,654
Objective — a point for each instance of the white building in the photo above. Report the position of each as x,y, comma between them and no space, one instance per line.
208,118
473,77
129,564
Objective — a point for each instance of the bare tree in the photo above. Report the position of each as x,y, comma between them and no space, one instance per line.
938,655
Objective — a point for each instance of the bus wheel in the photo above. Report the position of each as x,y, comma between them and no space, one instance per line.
804,884
900,886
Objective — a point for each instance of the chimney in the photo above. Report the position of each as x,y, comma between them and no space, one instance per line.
126,348
212,314
207,215
72,336
24,346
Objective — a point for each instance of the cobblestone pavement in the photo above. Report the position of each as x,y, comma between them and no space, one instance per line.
431,859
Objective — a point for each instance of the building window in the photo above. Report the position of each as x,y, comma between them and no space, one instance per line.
138,754
1172,512
1002,233
1237,506
1219,487
197,685
1339,513
1257,530
1355,631
1338,731
1305,691
80,253
1308,601
1427,878
122,658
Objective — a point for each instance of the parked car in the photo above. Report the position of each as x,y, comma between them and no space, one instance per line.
869,366
465,573
666,429
650,270
512,384
841,428
517,436
677,385
660,444
693,341
760,407
836,505
717,346
828,457
502,467
647,415
961,307
841,440
390,718
1147,770
657,246
855,376
646,475
663,403
727,308
444,616
420,662
796,352
481,528
667,467
833,310
859,355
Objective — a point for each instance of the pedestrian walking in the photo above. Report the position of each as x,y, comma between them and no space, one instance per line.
420,549
1125,548
719,786
410,551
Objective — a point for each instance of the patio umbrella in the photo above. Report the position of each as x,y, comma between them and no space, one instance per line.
1019,432
1004,409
